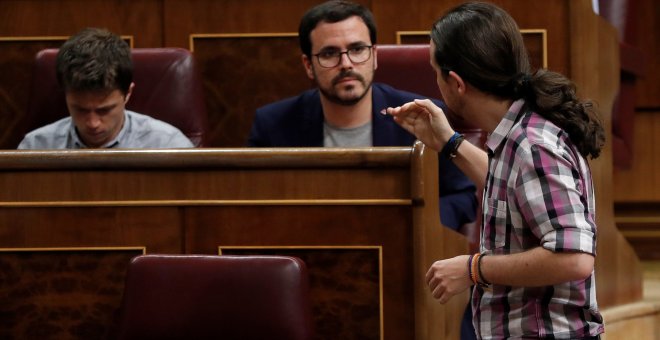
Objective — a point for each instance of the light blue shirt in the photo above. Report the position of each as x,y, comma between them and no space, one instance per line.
139,132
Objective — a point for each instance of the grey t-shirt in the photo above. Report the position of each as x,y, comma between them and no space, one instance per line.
139,131
340,137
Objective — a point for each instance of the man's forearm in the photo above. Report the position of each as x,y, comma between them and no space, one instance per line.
536,267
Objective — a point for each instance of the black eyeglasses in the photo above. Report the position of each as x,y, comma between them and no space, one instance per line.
331,58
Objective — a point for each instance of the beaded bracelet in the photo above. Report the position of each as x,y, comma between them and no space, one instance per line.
482,280
473,265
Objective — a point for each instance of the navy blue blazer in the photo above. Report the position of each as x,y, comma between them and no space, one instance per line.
298,122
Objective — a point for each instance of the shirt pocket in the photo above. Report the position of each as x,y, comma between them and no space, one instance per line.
494,233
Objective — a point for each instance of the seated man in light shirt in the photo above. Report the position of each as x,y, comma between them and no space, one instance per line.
95,69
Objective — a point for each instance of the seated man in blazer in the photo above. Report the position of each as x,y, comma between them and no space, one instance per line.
338,43
94,68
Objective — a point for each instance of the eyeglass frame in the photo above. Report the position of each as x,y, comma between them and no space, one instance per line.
369,48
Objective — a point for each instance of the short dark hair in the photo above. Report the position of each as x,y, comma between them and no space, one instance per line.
331,12
94,59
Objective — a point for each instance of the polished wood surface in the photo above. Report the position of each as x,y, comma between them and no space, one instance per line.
414,15
640,224
595,70
636,194
41,18
641,182
334,207
648,41
226,61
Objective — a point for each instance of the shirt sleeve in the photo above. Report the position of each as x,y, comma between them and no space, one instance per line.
179,140
552,203
25,144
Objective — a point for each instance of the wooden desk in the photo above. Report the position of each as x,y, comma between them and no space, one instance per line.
366,222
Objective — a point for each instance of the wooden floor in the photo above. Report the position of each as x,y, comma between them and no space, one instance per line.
651,280
638,320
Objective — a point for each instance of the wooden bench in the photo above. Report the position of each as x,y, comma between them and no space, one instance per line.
365,221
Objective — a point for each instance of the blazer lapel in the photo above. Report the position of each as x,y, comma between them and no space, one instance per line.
386,132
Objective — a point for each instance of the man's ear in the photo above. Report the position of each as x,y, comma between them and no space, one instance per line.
307,63
375,56
129,92
459,84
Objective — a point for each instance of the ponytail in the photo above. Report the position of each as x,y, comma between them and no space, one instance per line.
554,97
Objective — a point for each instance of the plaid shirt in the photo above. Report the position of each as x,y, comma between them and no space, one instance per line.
538,193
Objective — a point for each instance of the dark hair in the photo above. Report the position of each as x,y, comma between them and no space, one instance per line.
482,44
95,59
331,12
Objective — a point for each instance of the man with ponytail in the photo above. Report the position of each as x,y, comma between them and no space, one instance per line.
534,274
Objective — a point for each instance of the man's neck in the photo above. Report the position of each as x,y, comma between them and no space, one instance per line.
347,116
489,108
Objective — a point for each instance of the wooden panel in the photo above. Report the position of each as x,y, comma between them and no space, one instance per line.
419,15
639,222
64,176
61,293
636,194
387,227
183,18
140,18
242,73
195,201
16,76
158,229
640,183
595,70
141,187
536,42
635,187
648,41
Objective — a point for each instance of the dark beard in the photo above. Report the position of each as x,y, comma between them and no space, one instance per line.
345,102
